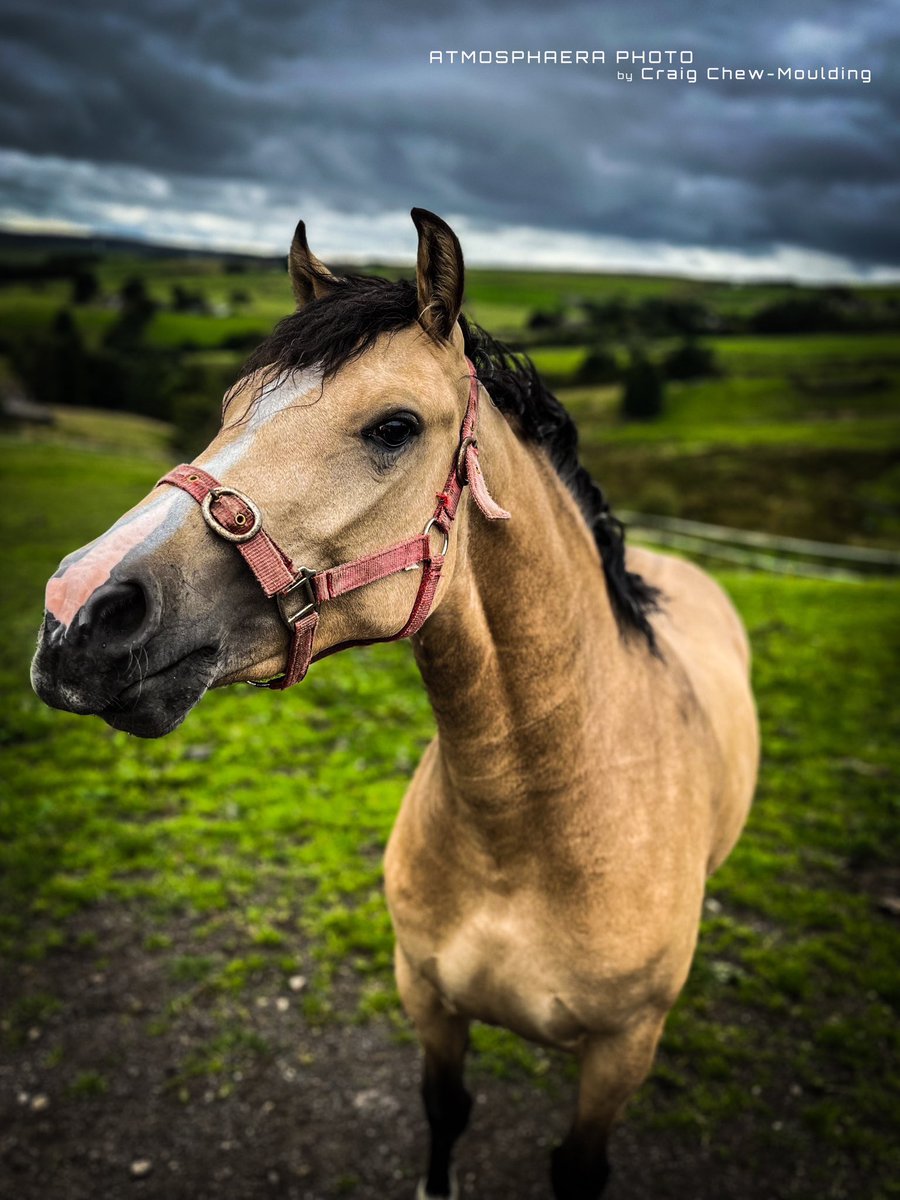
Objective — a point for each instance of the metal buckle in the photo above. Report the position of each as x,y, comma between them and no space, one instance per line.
217,527
304,580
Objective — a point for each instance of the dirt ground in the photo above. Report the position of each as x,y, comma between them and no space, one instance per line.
333,1111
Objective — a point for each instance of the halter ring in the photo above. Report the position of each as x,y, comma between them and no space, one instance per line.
428,528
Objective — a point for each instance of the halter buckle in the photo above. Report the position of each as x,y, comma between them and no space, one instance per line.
216,525
309,603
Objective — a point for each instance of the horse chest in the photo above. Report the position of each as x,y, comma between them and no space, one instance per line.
496,966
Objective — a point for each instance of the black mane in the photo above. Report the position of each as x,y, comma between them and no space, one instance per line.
342,325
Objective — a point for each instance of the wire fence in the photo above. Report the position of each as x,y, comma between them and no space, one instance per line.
763,551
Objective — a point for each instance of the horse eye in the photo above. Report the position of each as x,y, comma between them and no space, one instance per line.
394,432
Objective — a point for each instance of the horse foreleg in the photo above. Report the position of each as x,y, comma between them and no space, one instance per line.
444,1038
612,1069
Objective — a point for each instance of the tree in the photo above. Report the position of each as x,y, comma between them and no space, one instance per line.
691,360
184,300
599,367
137,312
133,293
642,399
54,365
85,286
542,320
819,313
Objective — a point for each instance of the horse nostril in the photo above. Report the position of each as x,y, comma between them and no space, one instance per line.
115,612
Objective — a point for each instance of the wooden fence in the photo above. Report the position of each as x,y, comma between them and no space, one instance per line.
762,551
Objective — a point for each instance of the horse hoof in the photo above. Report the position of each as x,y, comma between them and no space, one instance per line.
422,1192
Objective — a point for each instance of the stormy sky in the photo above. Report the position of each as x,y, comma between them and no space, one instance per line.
220,123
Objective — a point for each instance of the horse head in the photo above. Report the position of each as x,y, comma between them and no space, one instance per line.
351,430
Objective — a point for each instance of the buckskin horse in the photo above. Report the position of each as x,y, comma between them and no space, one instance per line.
597,746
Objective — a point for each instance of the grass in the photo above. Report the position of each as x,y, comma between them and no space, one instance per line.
796,937
797,436
149,827
795,987
106,432
765,382
501,300
235,883
88,1084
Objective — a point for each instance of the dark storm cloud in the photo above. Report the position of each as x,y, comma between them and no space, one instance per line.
186,104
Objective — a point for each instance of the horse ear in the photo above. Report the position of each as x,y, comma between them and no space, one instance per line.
439,274
310,278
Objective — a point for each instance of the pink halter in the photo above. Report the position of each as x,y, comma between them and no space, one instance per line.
300,592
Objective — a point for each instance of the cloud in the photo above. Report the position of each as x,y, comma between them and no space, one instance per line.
181,121
222,214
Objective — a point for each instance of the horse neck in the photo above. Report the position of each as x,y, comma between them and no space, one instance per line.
516,654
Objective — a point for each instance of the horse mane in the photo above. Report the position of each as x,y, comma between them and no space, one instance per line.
516,388
342,325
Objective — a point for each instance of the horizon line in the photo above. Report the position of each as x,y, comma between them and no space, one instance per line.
63,230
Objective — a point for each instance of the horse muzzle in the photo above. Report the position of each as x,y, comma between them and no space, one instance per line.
109,662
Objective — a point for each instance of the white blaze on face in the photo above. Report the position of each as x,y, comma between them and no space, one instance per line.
154,523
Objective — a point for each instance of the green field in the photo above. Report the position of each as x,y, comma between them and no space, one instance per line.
238,880
797,434
227,883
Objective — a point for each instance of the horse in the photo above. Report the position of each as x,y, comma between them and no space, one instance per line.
597,745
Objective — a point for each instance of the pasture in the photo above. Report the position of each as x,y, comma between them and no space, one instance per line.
196,995
795,433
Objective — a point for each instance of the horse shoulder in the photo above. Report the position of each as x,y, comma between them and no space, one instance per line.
704,641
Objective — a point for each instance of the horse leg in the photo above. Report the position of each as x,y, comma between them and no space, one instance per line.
612,1069
444,1038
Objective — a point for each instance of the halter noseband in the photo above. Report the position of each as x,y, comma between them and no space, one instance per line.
300,592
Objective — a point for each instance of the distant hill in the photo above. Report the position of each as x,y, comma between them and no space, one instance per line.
27,245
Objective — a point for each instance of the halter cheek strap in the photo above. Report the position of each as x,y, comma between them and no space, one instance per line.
300,592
